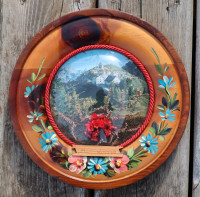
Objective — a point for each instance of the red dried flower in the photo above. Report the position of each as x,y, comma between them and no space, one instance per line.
94,126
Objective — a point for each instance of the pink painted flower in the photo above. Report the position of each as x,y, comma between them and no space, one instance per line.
78,164
119,164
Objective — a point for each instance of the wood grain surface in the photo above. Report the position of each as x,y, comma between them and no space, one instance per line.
196,156
19,21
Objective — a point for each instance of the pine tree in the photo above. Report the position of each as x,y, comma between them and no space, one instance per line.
100,98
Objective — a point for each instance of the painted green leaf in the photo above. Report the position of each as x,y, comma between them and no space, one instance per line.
174,105
69,153
159,69
156,56
176,109
87,174
155,126
41,77
175,95
170,96
168,130
67,164
110,173
152,130
164,126
33,77
142,153
37,128
124,152
134,164
83,172
43,124
136,160
166,69
161,138
164,102
29,80
161,108
62,151
106,159
130,152
165,131
39,70
161,90
50,128
159,127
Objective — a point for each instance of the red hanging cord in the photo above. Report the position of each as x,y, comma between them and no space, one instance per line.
127,54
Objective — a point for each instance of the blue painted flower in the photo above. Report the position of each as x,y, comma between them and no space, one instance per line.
165,83
34,116
148,143
28,91
97,166
48,140
167,116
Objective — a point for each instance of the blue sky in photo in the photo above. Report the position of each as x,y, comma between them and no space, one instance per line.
89,59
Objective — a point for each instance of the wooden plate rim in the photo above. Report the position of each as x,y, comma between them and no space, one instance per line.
113,14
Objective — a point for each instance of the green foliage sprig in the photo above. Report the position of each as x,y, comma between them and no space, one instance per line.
34,77
161,69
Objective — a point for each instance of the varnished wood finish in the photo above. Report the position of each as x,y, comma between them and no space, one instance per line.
100,151
103,38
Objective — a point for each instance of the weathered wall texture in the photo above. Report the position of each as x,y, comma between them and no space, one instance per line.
22,19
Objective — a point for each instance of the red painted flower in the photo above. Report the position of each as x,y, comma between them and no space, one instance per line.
78,164
94,126
119,164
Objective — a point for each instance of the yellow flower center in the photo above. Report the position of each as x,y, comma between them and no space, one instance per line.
166,116
118,163
35,115
79,163
97,167
148,143
48,141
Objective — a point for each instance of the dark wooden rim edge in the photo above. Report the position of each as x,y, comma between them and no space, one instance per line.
115,14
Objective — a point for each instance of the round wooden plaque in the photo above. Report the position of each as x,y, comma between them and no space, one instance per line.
99,98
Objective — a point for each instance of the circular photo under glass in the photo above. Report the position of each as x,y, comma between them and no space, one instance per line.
99,97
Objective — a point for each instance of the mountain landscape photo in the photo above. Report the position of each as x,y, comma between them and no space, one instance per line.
104,103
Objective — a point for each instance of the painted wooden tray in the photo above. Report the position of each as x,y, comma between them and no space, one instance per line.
99,80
